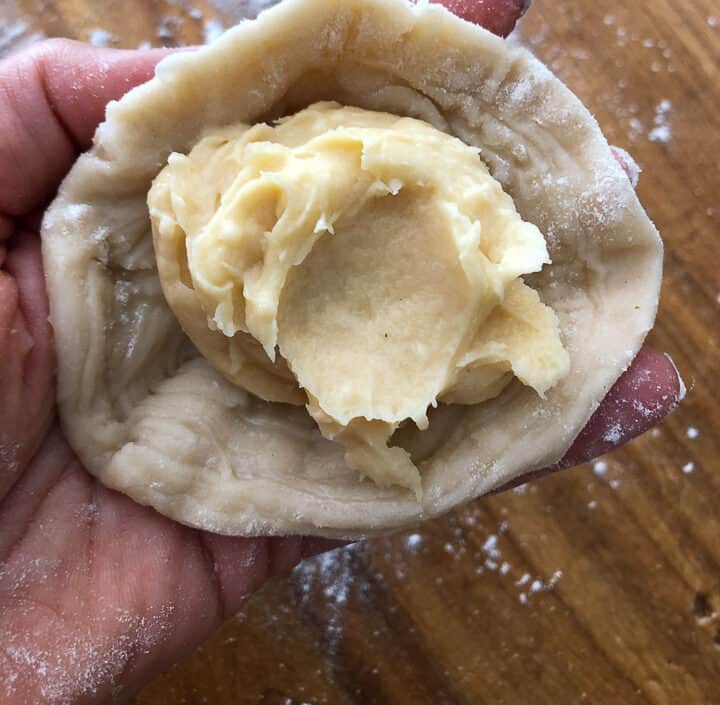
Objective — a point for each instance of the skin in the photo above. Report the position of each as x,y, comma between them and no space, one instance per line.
99,594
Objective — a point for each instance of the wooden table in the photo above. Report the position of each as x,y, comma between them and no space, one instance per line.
601,585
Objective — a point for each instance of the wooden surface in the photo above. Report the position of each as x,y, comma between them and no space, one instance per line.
445,614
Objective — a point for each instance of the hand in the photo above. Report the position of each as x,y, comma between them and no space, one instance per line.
97,593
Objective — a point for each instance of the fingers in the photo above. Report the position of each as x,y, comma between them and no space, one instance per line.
54,95
242,565
499,16
81,80
35,152
649,390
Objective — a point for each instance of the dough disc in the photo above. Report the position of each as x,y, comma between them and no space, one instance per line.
151,418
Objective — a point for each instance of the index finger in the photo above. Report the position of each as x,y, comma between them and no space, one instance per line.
53,98
499,16
649,390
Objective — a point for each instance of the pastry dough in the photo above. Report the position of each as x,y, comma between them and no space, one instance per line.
375,254
153,418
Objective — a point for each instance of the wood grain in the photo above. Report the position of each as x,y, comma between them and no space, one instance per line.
446,614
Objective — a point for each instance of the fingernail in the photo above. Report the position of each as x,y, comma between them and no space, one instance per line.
682,389
628,164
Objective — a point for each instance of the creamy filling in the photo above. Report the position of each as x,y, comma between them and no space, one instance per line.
364,264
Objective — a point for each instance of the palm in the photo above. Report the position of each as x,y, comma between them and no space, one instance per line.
96,575
94,572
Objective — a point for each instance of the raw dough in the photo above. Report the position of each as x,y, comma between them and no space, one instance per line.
151,417
375,254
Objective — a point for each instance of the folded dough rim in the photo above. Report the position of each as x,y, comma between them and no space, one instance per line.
151,419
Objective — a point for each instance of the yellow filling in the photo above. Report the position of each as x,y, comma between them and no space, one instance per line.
366,265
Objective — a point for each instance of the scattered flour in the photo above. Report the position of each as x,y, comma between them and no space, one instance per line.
636,129
600,468
15,34
613,434
524,579
662,131
413,542
213,28
688,468
692,433
68,672
539,586
332,591
536,585
11,32
168,28
490,546
102,38
334,574
655,127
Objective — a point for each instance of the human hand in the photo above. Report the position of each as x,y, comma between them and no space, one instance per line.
97,593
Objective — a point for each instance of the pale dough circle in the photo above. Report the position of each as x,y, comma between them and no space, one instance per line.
151,418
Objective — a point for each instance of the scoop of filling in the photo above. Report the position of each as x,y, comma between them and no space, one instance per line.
366,265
